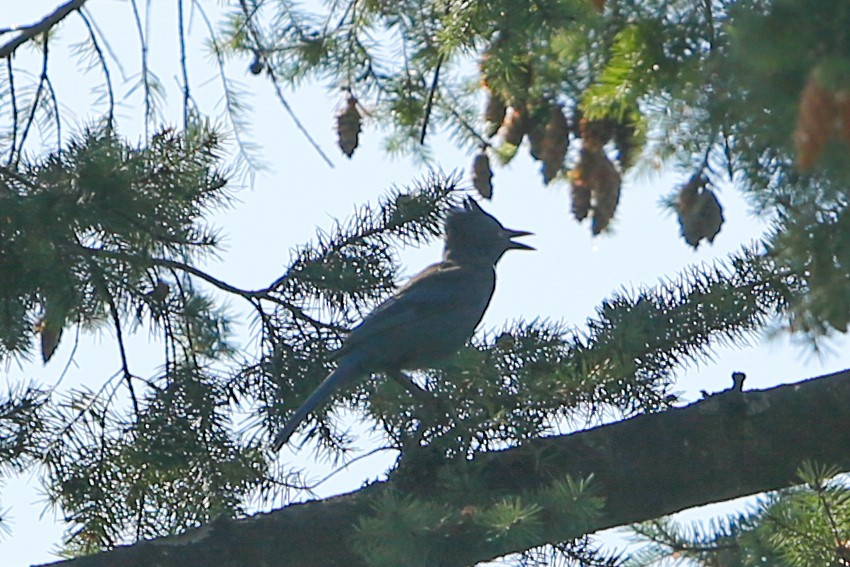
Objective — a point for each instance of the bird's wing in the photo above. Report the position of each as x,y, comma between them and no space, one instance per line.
438,290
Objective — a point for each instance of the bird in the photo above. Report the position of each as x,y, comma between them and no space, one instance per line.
428,319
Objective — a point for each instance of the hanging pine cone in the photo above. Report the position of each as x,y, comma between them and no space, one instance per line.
596,188
624,140
580,196
595,133
815,122
535,139
700,213
49,329
514,126
482,174
494,113
554,143
606,194
50,335
348,127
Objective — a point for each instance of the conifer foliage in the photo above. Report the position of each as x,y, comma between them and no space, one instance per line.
101,235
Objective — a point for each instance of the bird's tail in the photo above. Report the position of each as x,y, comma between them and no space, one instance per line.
348,369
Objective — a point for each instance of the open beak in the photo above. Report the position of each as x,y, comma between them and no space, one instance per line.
510,234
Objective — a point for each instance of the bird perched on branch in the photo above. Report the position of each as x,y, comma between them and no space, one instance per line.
431,317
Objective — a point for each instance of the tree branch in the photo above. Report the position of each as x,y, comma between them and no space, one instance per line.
728,445
29,32
263,294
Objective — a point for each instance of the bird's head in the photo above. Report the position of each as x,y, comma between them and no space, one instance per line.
475,236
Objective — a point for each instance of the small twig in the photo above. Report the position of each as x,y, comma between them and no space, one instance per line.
143,41
56,115
837,533
294,117
709,20
482,141
727,154
171,264
264,294
14,102
105,42
182,37
706,156
128,376
332,474
31,31
187,327
119,335
261,50
34,107
107,75
70,360
94,398
430,103
231,108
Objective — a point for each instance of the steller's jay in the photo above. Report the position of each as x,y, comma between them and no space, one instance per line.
429,318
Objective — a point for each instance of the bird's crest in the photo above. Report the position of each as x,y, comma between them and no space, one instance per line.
474,233
468,210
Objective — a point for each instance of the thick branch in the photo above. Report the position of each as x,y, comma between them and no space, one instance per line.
728,445
29,32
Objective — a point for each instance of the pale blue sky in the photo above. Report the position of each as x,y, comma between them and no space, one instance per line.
564,280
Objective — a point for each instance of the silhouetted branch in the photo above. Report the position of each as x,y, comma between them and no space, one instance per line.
29,32
728,445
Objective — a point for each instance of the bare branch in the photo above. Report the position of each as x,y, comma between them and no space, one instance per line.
264,294
181,32
261,50
145,72
34,108
29,32
107,75
429,105
14,99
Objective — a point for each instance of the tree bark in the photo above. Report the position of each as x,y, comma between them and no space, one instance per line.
725,446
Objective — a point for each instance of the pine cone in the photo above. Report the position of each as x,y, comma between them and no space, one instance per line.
580,199
624,139
554,143
606,194
535,139
482,174
50,332
700,213
815,122
595,187
494,113
595,133
348,127
514,126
